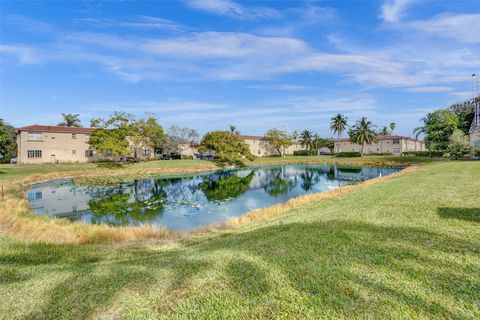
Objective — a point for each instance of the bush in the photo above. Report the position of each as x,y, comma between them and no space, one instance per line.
187,157
381,154
476,152
300,153
351,154
432,154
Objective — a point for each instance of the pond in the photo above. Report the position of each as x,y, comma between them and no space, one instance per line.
186,202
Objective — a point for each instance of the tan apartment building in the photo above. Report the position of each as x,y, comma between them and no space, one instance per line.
259,147
54,144
386,144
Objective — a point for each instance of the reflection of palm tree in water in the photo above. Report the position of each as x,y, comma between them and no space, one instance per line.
310,177
227,186
279,184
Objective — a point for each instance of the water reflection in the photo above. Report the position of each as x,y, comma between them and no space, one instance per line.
183,203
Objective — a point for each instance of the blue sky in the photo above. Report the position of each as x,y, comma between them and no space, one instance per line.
256,64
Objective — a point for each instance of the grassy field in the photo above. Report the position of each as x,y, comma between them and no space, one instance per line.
405,248
10,172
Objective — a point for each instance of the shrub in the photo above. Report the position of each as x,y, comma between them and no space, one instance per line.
351,154
432,154
476,152
187,157
300,153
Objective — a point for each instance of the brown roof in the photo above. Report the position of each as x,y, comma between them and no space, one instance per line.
380,138
37,127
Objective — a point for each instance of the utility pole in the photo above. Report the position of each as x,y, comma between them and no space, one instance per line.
475,92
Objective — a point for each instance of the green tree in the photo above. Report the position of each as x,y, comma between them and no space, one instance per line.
278,139
338,125
392,126
306,140
228,147
70,120
111,135
465,112
8,142
437,127
388,130
459,144
146,133
363,132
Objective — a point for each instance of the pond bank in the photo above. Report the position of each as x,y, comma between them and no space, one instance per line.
17,219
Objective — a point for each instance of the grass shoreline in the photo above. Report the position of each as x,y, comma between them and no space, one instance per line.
17,219
405,248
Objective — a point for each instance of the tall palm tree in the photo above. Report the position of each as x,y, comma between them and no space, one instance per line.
363,132
385,131
234,130
70,120
338,124
316,142
306,140
393,125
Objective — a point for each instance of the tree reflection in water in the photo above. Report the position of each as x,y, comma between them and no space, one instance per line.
140,202
227,186
278,183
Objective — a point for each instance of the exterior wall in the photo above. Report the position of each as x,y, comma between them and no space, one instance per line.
261,148
63,147
55,147
382,146
475,139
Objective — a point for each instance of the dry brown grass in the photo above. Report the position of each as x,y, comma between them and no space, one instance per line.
18,221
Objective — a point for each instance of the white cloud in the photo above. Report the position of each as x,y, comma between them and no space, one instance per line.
139,22
233,9
393,11
462,27
428,89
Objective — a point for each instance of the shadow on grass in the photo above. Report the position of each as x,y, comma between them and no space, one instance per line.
347,269
468,214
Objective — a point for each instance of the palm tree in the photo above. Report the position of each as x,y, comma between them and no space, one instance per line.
306,140
363,132
234,130
385,131
70,120
393,125
316,142
338,124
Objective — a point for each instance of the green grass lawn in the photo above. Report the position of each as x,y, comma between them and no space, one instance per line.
9,171
406,248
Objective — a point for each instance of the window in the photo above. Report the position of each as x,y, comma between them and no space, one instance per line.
35,195
395,150
88,153
259,152
34,153
35,136
87,137
74,136
74,152
396,141
146,153
476,144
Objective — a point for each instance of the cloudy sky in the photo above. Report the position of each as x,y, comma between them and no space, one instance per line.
256,64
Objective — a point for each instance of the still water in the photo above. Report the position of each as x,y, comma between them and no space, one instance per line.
183,203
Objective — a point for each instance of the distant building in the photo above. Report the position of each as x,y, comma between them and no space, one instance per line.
386,144
259,147
475,128
54,144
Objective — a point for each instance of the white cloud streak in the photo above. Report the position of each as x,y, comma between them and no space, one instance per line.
394,10
233,9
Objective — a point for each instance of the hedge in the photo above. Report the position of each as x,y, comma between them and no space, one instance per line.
433,154
351,154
